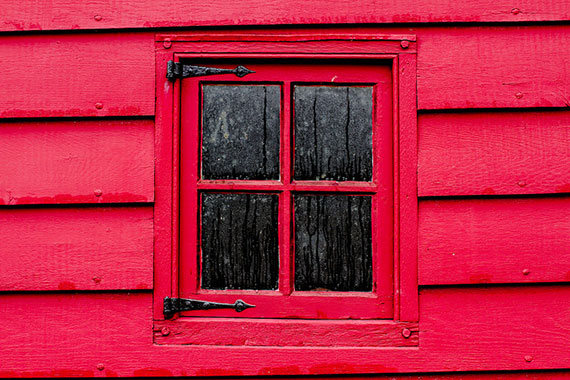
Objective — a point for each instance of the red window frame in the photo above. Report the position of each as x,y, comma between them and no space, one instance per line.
397,52
286,302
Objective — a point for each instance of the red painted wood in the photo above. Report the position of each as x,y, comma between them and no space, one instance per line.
167,260
492,328
76,249
494,241
100,14
487,153
304,305
522,327
492,67
77,75
405,180
443,74
312,186
85,161
461,329
507,74
296,333
69,335
310,305
166,189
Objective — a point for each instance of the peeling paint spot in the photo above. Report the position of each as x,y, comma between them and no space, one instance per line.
219,372
563,188
75,199
150,371
66,285
286,370
480,279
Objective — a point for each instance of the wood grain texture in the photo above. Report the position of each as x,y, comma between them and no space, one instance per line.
117,71
487,153
493,67
68,335
461,329
524,327
102,14
520,66
87,161
77,75
76,249
494,241
296,333
405,180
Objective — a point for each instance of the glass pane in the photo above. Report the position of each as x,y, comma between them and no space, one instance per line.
240,127
239,241
333,133
333,243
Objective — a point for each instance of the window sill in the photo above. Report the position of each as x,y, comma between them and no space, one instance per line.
286,332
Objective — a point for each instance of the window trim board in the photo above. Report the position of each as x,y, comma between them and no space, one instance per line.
403,58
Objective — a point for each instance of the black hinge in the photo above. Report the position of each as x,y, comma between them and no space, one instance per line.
180,70
175,305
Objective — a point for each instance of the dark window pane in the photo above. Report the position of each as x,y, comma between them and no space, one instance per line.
239,241
333,133
333,243
240,128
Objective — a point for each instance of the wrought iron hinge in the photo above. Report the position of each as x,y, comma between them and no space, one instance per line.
180,70
175,305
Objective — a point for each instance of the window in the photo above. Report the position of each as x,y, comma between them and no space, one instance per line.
279,183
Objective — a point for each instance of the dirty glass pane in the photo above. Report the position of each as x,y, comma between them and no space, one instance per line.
333,133
239,241
240,132
333,243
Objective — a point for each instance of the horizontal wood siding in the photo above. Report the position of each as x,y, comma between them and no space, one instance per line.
77,186
79,161
76,75
113,74
488,153
522,327
101,14
88,248
493,67
462,329
471,241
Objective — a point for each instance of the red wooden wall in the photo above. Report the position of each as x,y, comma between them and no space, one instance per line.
77,112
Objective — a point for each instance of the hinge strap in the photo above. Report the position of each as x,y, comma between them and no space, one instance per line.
176,305
180,70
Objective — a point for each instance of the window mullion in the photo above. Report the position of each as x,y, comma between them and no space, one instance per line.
285,208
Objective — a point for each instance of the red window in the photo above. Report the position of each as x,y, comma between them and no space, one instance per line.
285,190
283,174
